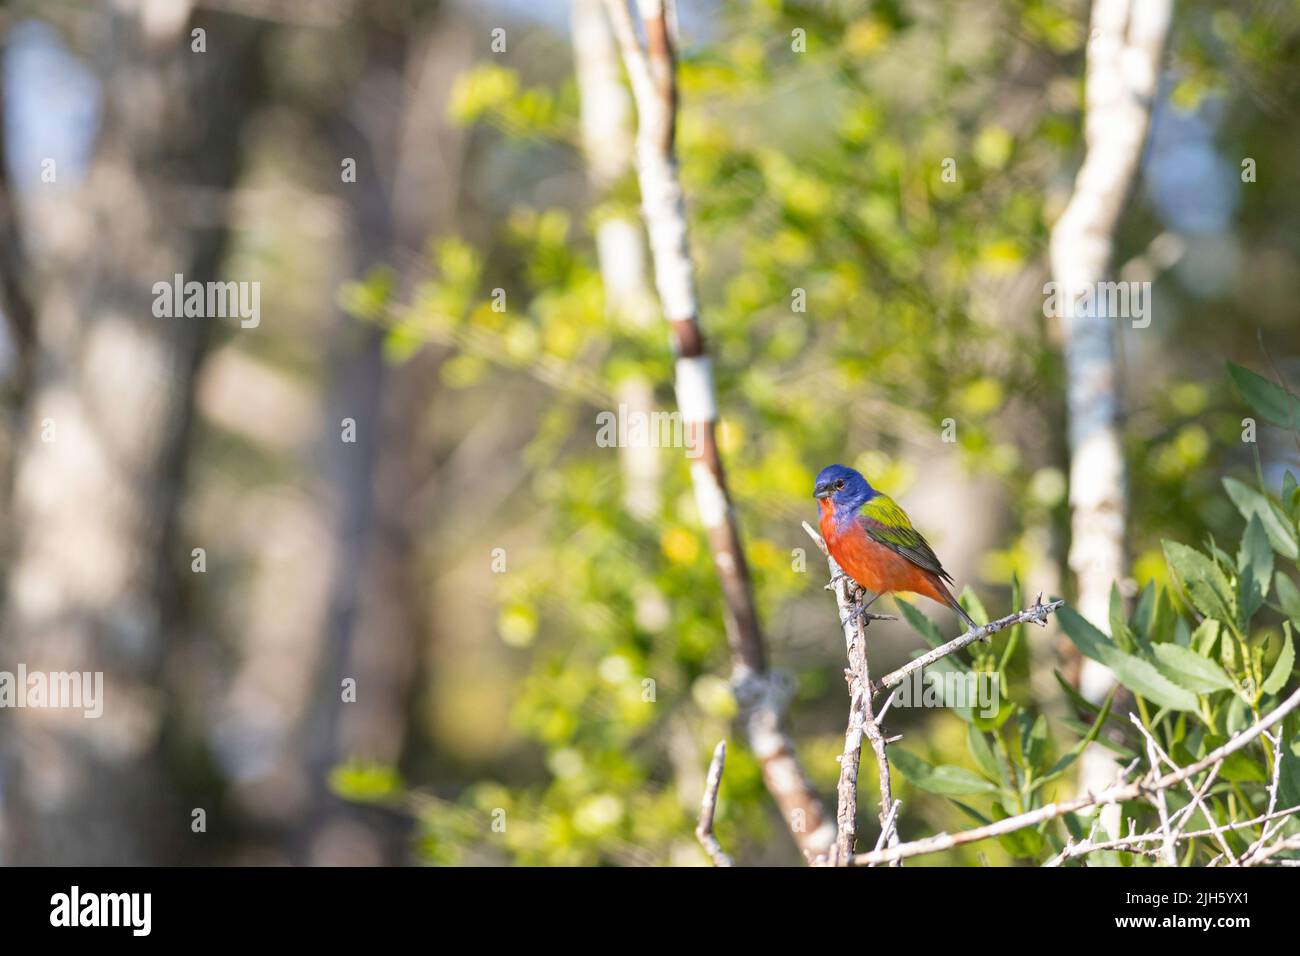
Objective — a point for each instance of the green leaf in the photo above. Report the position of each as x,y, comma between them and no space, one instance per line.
951,664
947,780
1164,620
1269,401
1123,752
974,814
1025,843
1006,707
1289,784
1145,609
1238,767
1206,586
1205,637
1033,741
1013,633
1220,557
1076,698
1064,763
1256,554
1186,668
1288,595
1088,639
1120,632
1280,528
1249,598
1137,675
1282,667
980,750
921,624
974,606
1239,716
1143,679
365,782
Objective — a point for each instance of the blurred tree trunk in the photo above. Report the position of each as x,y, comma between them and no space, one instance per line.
407,168
99,473
608,144
15,300
16,333
1123,70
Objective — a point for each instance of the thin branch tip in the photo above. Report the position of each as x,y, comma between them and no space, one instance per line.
709,806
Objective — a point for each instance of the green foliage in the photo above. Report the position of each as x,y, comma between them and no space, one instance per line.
1271,402
365,782
1195,678
952,781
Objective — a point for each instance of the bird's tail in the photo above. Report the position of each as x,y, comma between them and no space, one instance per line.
961,611
953,603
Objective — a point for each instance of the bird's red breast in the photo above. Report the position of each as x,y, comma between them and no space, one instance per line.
874,566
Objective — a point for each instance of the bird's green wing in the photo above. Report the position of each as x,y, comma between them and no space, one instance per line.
886,523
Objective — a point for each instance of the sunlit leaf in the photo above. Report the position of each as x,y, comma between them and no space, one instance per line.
1282,667
1279,526
1137,675
1186,668
948,780
1205,583
1266,399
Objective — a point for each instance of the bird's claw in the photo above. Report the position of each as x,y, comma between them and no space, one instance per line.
839,576
854,591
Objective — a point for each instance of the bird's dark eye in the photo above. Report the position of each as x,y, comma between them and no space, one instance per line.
839,484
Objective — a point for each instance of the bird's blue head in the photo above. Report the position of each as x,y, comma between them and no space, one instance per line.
842,488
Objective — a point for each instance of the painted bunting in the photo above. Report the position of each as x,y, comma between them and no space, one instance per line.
873,541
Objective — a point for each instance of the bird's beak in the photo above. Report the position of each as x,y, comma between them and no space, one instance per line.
822,493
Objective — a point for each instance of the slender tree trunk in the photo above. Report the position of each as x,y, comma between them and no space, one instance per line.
407,158
761,695
1123,71
609,144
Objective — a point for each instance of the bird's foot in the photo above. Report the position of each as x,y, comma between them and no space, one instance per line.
853,590
863,613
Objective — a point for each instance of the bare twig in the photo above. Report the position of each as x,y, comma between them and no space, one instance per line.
888,829
861,720
1184,816
1085,847
1264,833
1168,852
1265,853
1037,614
1259,851
851,759
709,805
884,708
1155,748
1116,794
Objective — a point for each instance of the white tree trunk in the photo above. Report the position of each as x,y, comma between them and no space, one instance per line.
761,696
608,144
1123,69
